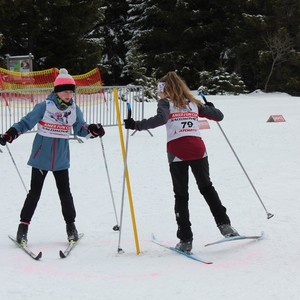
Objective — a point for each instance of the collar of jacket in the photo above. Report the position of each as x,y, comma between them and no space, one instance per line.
59,102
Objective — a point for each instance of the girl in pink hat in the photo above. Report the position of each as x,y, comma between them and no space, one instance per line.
55,118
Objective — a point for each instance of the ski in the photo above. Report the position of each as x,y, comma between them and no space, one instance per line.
188,255
236,238
71,246
26,249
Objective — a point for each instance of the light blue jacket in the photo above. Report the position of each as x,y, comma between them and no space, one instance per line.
48,153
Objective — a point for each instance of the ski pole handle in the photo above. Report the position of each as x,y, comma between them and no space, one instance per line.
206,102
128,110
203,97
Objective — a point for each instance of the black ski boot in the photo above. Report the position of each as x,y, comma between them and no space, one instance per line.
185,246
72,232
227,230
22,233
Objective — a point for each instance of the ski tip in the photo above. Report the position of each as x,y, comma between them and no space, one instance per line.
38,256
61,254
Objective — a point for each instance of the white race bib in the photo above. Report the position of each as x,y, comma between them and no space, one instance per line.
57,123
183,122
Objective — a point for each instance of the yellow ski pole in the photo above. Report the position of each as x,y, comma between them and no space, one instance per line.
126,173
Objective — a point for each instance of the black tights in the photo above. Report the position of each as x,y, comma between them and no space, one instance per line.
63,186
180,177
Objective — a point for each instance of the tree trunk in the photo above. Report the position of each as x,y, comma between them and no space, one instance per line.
269,76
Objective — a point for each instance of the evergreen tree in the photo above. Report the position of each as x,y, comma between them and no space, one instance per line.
65,41
18,23
142,40
53,31
164,37
221,82
185,36
113,31
247,41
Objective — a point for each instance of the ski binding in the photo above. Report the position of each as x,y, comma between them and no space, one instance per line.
71,246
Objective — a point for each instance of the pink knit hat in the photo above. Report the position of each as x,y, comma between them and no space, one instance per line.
64,82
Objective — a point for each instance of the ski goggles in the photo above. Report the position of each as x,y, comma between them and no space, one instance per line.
161,87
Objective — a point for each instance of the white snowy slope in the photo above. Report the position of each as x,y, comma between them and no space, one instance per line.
268,269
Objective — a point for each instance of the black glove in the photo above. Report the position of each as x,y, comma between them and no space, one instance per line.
8,136
209,104
129,124
96,130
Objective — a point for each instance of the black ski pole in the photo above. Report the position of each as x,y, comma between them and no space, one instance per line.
116,227
16,168
269,215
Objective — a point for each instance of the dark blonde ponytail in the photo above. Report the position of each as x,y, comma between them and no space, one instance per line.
177,90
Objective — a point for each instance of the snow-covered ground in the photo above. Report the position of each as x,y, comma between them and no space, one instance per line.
268,269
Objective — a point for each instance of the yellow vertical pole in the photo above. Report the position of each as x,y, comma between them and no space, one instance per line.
116,98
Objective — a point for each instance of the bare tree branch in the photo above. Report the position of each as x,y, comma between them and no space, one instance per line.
280,45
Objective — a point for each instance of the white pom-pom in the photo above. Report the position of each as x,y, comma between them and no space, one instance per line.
63,71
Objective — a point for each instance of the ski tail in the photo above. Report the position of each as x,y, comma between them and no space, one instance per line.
236,238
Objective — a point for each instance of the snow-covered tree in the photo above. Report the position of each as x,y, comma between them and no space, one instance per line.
219,82
53,31
114,34
163,37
